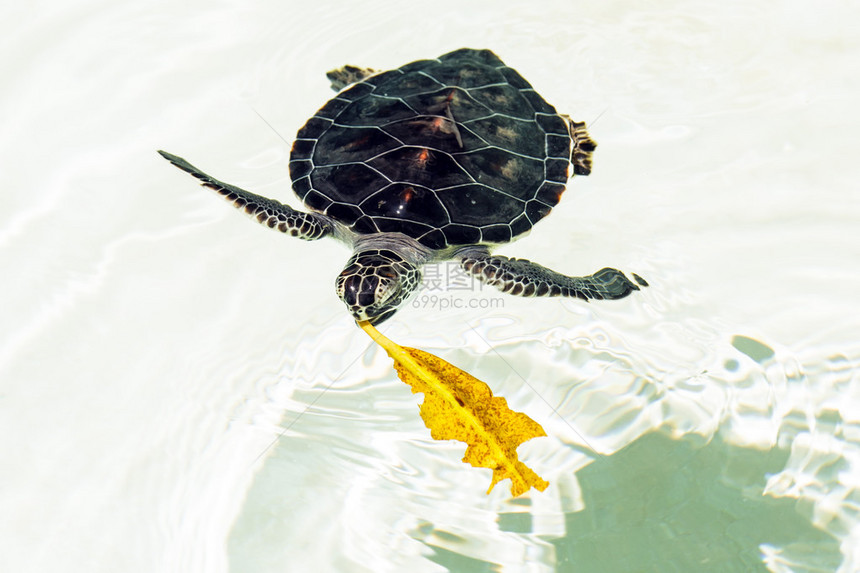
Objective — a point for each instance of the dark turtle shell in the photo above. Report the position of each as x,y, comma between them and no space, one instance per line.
454,151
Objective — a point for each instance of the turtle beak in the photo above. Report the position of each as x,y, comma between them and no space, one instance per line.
359,294
382,317
351,290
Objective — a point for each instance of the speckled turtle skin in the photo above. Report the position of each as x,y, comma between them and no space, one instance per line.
437,160
459,150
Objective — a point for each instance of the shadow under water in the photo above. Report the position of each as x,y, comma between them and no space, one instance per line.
668,505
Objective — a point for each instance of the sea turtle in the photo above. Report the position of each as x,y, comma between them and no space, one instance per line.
437,160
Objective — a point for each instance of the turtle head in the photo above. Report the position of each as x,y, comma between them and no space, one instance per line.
375,283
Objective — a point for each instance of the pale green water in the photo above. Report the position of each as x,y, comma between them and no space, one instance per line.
180,390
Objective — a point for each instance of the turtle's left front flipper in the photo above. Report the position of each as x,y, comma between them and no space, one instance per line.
525,278
269,212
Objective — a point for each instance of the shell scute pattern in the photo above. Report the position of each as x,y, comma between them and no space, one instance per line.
348,214
383,77
514,78
317,201
466,75
520,225
556,169
469,205
506,132
345,144
299,169
333,108
557,145
504,97
552,124
435,132
313,127
536,210
302,186
355,92
454,151
403,85
550,193
497,168
401,226
421,166
497,233
348,180
392,108
468,108
303,147
404,201
537,102
461,234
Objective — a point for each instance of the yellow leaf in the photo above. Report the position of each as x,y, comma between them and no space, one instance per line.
458,406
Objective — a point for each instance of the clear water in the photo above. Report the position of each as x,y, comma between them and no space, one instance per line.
180,390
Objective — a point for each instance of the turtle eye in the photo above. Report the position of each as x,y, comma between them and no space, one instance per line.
387,273
350,270
349,288
367,294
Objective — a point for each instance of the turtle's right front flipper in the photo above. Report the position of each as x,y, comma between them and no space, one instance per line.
271,213
525,278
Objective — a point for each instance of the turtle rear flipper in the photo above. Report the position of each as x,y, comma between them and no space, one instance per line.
582,149
346,75
273,214
525,278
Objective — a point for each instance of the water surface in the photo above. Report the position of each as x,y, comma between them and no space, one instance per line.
182,391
